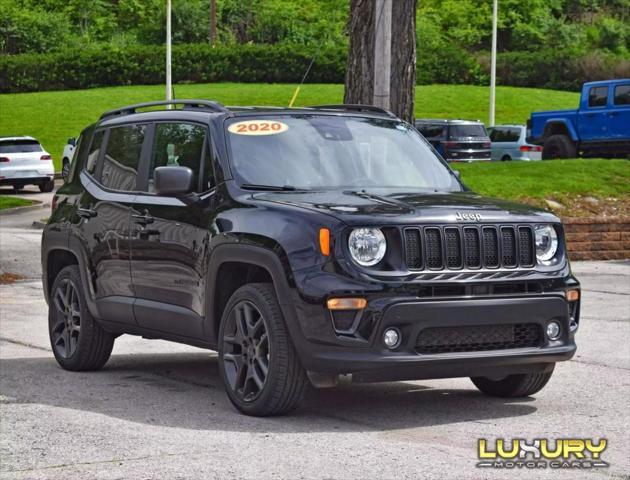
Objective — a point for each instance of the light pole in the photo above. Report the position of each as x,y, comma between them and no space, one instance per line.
493,62
169,90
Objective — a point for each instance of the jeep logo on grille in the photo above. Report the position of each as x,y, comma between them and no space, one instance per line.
467,217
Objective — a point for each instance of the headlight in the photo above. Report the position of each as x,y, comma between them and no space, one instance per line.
546,242
367,246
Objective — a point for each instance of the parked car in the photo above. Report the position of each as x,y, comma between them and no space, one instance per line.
66,158
23,161
456,140
301,244
509,143
599,127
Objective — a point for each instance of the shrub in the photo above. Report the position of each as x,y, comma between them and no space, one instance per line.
101,66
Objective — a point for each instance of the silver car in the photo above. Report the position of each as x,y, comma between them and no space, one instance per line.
508,143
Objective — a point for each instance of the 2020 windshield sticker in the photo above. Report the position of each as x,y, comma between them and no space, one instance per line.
258,127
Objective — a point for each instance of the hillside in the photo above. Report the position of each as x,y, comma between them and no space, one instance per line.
52,117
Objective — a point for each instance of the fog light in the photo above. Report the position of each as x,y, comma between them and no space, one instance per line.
553,330
391,338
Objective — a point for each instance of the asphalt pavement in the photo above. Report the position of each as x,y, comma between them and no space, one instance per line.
158,410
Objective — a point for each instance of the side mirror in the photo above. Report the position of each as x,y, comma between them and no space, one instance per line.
173,181
72,141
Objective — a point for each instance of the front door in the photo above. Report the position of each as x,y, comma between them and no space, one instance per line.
170,240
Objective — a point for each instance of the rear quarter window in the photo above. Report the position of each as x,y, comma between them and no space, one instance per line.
431,130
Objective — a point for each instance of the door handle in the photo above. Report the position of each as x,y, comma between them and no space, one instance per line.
86,212
142,218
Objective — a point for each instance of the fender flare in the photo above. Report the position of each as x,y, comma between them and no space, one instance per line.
260,257
565,123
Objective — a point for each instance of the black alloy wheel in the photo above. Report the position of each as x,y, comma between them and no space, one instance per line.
246,351
67,328
258,363
78,342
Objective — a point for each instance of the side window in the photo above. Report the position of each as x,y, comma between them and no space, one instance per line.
177,144
597,96
122,157
622,95
95,148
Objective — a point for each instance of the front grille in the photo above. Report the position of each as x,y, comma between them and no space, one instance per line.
479,338
470,247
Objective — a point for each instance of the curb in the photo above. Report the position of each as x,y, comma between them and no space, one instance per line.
17,210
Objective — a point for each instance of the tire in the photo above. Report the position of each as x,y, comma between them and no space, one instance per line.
47,186
17,188
558,146
519,385
253,337
506,158
77,341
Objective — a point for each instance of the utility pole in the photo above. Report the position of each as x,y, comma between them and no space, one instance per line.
213,22
169,88
382,53
493,62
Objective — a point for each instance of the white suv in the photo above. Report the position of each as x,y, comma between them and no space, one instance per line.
23,161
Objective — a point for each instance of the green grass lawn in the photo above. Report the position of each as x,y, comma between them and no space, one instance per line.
12,202
564,181
52,117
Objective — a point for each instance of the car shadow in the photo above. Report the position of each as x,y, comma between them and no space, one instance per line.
22,191
184,390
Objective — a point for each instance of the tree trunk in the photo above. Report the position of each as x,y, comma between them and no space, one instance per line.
359,86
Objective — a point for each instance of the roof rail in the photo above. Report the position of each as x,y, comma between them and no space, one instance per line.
129,109
356,107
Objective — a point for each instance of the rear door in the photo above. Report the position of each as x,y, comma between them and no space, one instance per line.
110,182
619,115
170,240
593,117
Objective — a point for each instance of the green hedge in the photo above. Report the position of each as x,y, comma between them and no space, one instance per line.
109,66
200,63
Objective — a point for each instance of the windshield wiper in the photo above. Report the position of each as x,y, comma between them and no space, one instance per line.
270,188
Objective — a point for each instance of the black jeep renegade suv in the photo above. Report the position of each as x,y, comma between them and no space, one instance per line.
301,244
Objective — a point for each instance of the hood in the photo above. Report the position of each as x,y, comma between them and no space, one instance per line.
381,207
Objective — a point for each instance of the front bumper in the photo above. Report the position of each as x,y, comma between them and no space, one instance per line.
369,360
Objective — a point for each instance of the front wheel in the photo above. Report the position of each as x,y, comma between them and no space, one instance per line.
257,361
77,341
518,385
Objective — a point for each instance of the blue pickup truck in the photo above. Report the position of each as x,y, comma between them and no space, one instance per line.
599,127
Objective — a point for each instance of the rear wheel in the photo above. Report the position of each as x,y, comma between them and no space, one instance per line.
77,341
519,385
505,158
47,186
257,360
558,146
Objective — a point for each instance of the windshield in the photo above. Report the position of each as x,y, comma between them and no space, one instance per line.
326,151
19,146
471,130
